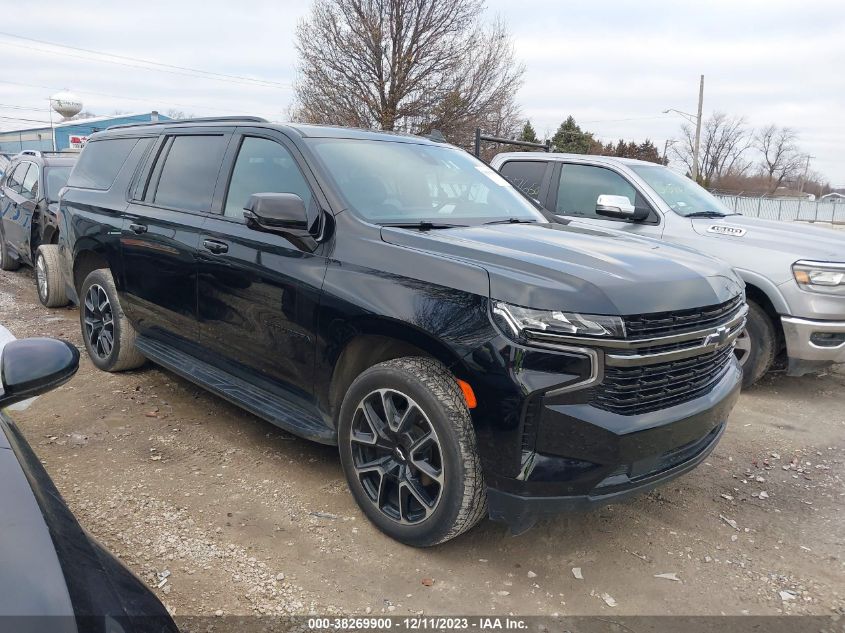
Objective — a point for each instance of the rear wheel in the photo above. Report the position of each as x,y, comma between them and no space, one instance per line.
408,449
7,262
48,276
755,347
109,336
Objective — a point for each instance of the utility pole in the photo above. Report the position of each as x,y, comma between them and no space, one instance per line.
695,164
669,141
804,177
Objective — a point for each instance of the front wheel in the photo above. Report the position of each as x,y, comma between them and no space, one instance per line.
755,346
408,450
109,336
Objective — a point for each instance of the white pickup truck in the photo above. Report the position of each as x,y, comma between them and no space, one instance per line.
794,273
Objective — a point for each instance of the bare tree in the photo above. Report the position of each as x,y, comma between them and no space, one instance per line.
724,142
780,158
407,65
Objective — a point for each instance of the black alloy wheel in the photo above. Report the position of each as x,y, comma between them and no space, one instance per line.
99,321
397,456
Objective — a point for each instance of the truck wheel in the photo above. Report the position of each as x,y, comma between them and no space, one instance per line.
408,449
48,276
7,262
755,347
109,336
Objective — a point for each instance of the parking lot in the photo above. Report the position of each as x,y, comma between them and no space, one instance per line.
222,513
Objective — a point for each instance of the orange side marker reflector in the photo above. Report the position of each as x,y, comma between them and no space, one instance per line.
469,394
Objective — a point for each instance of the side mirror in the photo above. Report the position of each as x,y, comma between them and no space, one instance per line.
619,207
32,366
282,213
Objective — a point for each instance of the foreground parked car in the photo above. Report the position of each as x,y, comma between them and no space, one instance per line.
53,576
397,297
794,274
29,192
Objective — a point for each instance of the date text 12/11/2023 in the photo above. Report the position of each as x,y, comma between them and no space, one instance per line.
417,623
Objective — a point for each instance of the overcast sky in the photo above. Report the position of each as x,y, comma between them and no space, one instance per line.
613,65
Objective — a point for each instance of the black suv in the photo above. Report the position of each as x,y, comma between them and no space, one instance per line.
29,190
395,296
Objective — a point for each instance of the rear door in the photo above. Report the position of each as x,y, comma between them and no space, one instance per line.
258,293
161,233
10,196
20,207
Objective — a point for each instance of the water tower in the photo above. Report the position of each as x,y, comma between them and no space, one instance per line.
66,103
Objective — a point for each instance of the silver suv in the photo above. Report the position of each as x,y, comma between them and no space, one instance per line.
794,273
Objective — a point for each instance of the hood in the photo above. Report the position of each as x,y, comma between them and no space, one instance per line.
557,266
801,240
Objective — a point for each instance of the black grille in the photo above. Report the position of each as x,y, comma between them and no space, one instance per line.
633,390
667,323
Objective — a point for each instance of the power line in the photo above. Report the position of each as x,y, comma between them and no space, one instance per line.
16,118
149,65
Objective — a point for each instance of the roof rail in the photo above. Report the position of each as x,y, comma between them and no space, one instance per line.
213,119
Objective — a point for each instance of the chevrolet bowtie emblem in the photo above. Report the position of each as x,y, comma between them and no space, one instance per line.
717,338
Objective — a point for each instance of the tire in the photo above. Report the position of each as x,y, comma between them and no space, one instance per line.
102,319
426,396
49,281
7,262
756,345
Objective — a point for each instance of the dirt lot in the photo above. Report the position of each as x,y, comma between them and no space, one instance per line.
248,519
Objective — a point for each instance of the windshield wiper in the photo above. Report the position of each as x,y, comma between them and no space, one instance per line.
422,225
512,221
708,214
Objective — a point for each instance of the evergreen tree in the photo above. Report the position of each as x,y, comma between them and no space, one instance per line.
528,133
571,138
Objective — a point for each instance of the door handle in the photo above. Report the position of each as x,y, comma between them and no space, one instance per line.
215,246
138,228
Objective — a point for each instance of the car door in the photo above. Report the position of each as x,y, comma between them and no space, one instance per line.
258,292
576,187
161,233
18,205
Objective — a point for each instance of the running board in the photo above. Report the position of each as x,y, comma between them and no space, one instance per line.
273,408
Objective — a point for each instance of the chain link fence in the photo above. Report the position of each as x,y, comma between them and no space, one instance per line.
786,209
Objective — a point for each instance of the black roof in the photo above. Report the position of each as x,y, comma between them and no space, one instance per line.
301,130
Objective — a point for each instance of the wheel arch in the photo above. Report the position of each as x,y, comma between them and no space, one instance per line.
89,257
374,341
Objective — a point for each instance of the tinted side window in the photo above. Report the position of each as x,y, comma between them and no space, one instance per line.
17,176
190,172
581,185
525,175
29,187
100,162
263,166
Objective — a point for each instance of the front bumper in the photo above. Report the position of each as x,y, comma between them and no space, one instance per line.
587,457
806,346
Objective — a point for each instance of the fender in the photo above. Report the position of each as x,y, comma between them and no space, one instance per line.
767,287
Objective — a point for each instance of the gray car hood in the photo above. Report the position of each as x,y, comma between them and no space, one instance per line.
801,240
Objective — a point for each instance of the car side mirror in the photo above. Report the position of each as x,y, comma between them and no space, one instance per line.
619,207
32,366
282,213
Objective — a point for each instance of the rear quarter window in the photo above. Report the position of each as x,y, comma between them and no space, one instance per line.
100,162
525,175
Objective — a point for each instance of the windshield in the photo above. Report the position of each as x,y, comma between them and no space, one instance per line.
683,195
388,182
56,179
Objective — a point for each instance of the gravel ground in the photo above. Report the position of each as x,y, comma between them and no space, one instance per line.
222,513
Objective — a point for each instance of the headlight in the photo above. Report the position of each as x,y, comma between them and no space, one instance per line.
527,323
824,277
